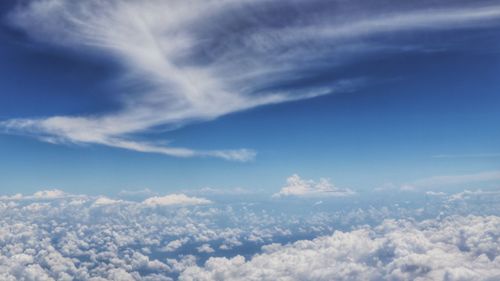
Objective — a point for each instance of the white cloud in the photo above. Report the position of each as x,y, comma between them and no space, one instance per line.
299,187
48,194
490,195
178,69
175,199
205,248
434,193
146,192
457,248
102,200
477,155
221,191
453,180
174,245
75,238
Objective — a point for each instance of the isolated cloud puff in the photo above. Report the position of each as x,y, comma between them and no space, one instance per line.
102,200
309,188
457,248
175,199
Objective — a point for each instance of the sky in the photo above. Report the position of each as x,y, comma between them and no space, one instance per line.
249,140
113,95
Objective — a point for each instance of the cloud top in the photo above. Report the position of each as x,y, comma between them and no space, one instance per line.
458,248
308,188
100,238
175,199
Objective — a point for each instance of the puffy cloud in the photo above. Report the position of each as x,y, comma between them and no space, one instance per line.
106,201
434,193
73,238
49,194
299,187
174,245
456,248
175,199
41,195
205,248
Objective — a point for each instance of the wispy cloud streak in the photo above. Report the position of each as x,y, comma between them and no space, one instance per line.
477,155
199,60
453,180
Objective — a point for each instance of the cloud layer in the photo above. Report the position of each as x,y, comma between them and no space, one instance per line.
457,248
187,61
80,237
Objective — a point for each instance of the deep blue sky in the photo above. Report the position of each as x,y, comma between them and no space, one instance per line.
425,103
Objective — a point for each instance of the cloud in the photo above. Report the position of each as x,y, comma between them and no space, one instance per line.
185,62
102,200
453,180
48,194
477,155
73,238
457,248
308,188
205,248
433,193
146,192
457,181
222,191
175,199
174,245
481,195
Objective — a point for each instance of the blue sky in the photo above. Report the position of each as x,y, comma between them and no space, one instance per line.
235,95
249,140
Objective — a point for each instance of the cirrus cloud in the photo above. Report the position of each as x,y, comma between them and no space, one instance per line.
192,61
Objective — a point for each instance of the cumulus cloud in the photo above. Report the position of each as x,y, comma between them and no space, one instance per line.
100,238
457,248
49,194
102,200
174,245
198,60
434,193
40,195
309,188
205,248
175,199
